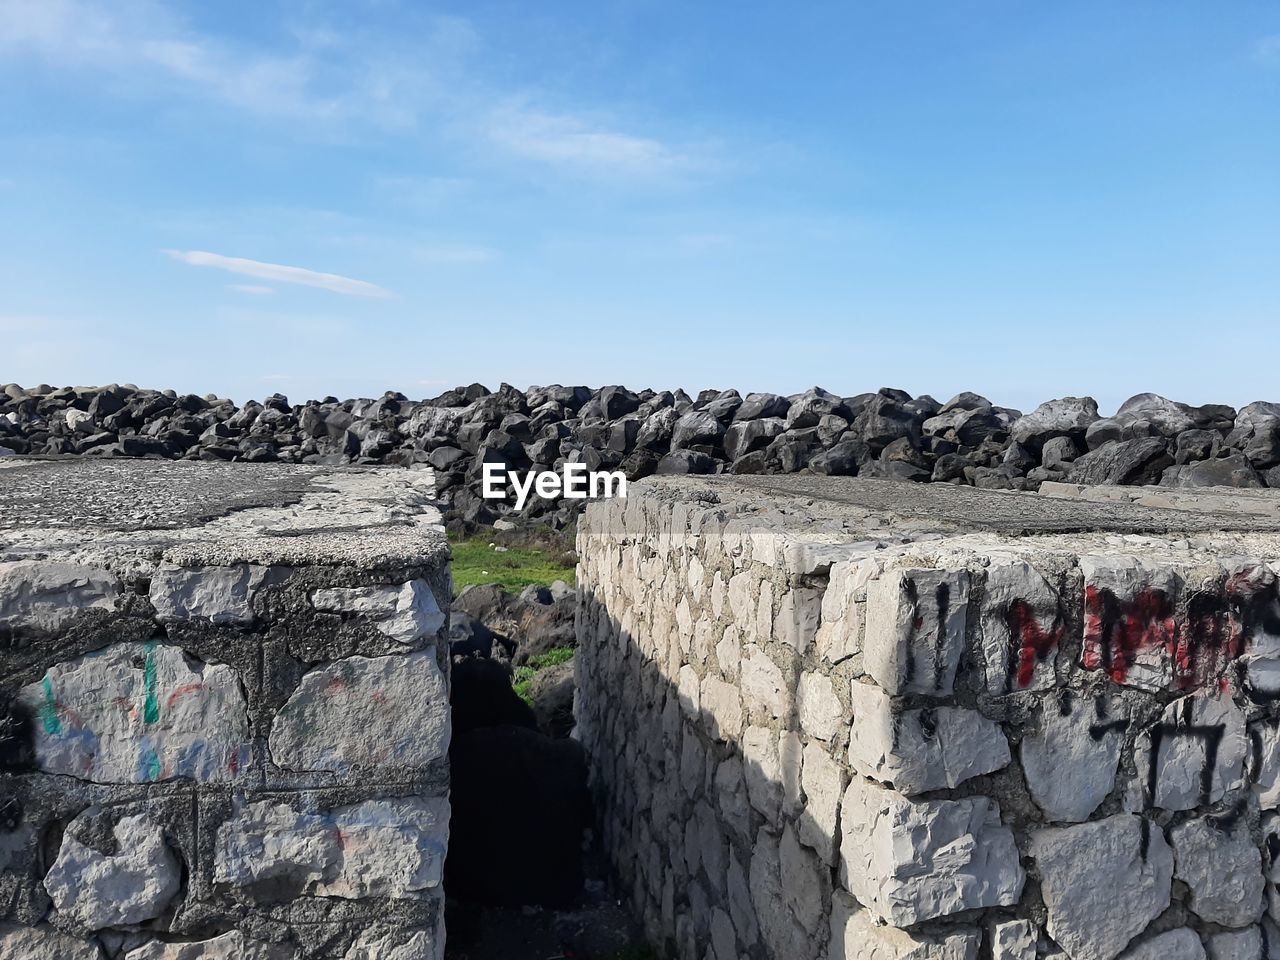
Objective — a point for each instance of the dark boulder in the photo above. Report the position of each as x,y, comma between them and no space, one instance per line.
1233,470
758,405
686,461
1123,462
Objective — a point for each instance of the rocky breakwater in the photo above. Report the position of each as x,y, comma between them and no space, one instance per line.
849,720
225,712
888,434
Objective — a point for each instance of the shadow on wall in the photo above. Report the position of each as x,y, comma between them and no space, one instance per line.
707,826
519,798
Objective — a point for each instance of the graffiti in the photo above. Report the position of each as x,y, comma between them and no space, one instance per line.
1116,632
158,716
942,607
1196,640
1029,643
1163,734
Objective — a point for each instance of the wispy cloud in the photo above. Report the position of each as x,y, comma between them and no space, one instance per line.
1267,50
253,289
457,255
571,141
338,80
139,38
280,273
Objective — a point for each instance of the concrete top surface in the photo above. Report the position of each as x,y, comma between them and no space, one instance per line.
954,508
845,517
195,513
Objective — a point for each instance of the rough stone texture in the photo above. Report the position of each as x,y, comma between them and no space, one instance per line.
1013,940
42,596
230,946
1223,870
1070,762
1180,944
365,713
92,890
44,943
1102,882
1096,682
185,718
923,749
909,862
229,722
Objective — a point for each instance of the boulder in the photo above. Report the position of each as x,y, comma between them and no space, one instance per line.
1122,462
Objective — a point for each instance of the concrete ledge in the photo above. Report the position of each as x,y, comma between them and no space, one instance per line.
228,711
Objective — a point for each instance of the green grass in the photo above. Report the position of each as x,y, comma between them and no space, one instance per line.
475,562
522,682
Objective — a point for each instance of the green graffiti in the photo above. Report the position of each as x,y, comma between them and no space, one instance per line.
151,765
151,709
49,710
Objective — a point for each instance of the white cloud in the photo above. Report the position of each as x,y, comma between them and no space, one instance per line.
428,79
280,273
1267,49
457,255
570,141
253,289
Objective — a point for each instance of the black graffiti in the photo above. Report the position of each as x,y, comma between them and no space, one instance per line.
1210,737
938,657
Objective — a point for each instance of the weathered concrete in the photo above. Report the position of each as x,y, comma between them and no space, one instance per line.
965,723
227,687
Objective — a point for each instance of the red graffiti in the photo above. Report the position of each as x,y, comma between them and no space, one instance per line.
1115,632
1199,636
182,691
1034,643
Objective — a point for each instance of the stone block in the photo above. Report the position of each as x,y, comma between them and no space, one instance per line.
1199,748
365,713
1014,940
799,612
908,862
764,689
821,712
43,596
1222,869
93,890
1070,762
721,708
915,626
221,595
1102,882
921,749
1179,944
229,946
138,713
1022,628
43,943
823,780
406,612
856,936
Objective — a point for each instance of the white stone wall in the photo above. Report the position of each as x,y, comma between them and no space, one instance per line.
809,746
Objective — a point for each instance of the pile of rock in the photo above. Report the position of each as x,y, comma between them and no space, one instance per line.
888,434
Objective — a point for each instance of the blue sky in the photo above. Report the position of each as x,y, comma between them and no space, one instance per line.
1019,198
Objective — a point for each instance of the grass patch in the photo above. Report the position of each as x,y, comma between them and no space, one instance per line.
522,681
476,562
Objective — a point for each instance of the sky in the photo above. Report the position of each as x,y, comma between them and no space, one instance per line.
1023,199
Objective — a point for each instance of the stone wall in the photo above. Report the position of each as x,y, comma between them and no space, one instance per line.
225,738
820,729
